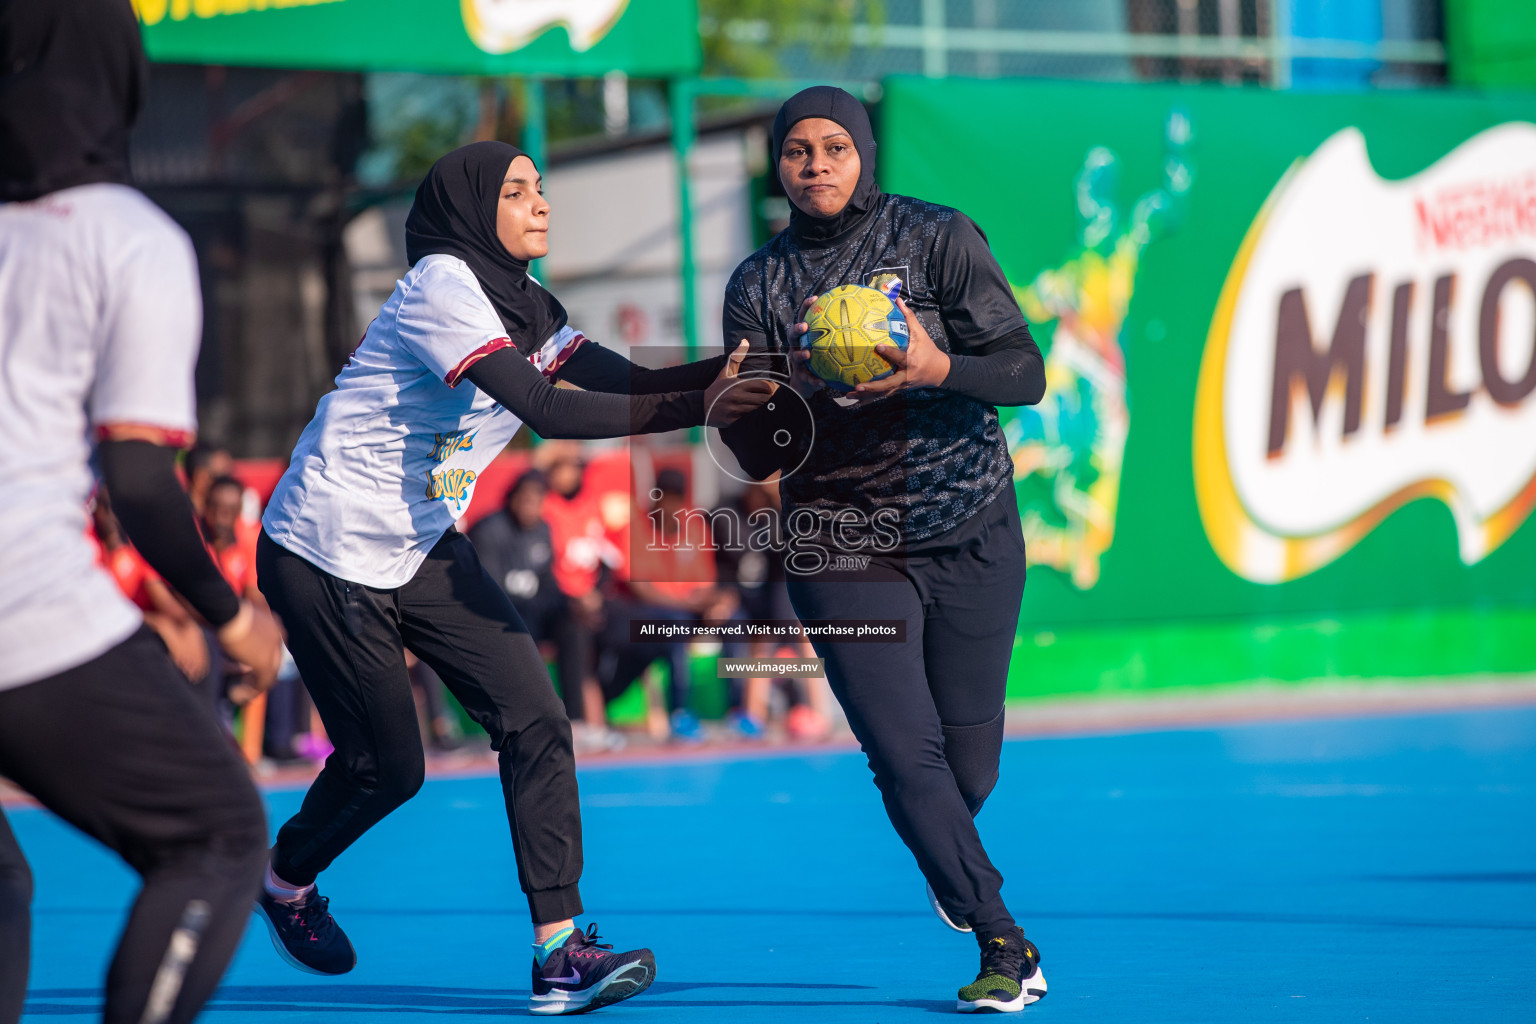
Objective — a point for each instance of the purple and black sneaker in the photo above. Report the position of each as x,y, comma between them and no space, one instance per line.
585,974
306,935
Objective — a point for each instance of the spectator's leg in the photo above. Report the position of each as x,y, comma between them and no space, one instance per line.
277,738
149,774
620,661
15,925
676,652
573,658
681,682
253,728
211,686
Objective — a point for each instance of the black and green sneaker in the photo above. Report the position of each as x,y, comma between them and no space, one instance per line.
1010,977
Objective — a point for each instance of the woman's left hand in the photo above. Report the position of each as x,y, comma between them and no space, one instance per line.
922,365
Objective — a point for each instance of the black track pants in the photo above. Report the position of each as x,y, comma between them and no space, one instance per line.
123,749
928,712
348,642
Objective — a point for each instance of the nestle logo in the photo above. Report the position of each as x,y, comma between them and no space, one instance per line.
1477,214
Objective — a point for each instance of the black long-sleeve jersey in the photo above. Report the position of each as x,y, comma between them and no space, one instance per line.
934,455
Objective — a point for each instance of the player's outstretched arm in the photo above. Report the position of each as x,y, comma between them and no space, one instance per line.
553,412
595,368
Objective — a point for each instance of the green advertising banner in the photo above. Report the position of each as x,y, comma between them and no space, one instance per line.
488,37
1290,430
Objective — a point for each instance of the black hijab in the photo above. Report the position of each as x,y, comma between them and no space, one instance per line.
834,104
72,78
455,213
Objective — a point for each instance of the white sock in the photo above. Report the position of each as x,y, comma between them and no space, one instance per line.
282,892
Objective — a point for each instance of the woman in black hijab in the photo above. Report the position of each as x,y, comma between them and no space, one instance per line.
360,558
908,477
99,332
72,80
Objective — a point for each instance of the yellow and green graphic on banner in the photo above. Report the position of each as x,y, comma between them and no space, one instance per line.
530,37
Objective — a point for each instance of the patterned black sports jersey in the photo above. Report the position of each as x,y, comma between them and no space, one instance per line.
932,455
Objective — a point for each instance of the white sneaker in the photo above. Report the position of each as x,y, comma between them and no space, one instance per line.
596,739
943,915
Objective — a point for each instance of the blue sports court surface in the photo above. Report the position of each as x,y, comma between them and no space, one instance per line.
1334,870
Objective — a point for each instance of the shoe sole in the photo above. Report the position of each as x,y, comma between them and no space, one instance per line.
1028,995
939,912
288,958
621,984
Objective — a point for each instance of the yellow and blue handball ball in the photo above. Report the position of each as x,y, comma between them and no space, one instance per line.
845,326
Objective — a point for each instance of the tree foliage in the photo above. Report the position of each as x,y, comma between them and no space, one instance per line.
745,38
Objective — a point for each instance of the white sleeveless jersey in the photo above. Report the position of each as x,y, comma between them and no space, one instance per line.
391,458
100,321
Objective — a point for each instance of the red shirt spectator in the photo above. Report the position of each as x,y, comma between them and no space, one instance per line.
231,540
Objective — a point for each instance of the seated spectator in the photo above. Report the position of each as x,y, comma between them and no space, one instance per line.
284,715
582,554
673,579
233,547
758,578
204,464
517,548
230,538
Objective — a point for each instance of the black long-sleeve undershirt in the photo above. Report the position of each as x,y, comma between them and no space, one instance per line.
1009,371
600,369
156,515
551,412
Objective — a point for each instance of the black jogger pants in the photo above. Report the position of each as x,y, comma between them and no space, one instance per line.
348,641
126,751
928,711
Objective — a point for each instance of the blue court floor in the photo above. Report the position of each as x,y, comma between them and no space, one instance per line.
1376,869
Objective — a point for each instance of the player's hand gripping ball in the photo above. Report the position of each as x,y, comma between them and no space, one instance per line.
845,325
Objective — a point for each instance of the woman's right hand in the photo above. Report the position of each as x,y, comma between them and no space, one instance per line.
730,398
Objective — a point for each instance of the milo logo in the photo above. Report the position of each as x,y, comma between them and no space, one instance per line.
1375,343
501,26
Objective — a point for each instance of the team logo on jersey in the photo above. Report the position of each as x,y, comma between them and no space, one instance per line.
889,281
1375,343
501,26
451,444
451,485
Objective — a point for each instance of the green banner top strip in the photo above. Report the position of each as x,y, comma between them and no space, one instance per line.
569,38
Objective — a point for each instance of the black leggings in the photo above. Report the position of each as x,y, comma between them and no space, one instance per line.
348,641
928,711
124,750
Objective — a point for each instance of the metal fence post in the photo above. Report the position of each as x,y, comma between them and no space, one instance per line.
682,147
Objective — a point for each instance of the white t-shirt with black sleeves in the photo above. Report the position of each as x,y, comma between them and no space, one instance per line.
100,322
390,460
